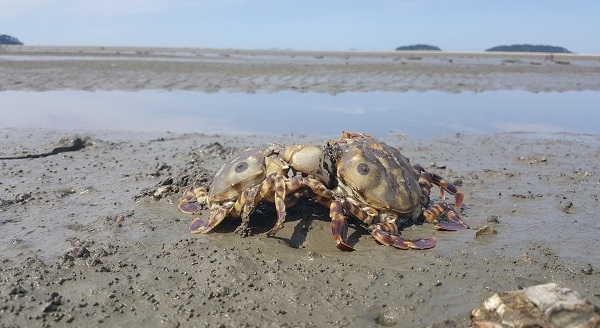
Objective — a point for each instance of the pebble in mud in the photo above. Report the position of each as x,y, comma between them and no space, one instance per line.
492,219
587,269
485,231
566,206
387,318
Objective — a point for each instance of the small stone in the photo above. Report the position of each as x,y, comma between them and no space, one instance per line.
566,207
485,231
387,318
587,269
492,219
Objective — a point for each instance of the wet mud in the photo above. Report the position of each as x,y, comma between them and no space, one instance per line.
94,237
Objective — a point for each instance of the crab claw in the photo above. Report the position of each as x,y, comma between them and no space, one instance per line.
454,223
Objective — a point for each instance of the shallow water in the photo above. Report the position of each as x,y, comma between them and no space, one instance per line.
416,114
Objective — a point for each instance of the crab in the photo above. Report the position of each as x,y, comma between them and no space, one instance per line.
375,183
355,175
254,175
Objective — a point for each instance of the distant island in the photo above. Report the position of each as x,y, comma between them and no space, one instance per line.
529,48
7,39
419,47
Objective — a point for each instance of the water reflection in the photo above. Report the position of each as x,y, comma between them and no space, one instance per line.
378,113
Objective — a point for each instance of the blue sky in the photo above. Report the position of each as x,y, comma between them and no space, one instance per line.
454,25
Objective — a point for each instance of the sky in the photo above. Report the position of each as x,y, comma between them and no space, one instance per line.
369,25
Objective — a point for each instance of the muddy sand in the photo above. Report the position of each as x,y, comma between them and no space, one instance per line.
91,234
211,70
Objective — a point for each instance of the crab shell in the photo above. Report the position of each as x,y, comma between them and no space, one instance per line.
234,189
249,168
372,173
376,184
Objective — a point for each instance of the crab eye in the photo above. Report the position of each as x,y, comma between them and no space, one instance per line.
241,167
363,169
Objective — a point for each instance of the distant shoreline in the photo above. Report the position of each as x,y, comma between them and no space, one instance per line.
96,50
43,68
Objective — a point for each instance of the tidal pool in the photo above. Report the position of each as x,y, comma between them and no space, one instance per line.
416,114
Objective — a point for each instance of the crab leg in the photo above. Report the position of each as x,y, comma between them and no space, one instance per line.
454,223
291,187
192,196
386,234
339,226
435,211
203,226
280,191
427,179
244,205
449,187
425,184
247,209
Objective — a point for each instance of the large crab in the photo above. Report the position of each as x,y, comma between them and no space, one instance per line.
356,174
255,174
376,183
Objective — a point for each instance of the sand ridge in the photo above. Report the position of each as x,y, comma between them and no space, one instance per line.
212,70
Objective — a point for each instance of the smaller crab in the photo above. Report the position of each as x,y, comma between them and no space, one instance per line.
255,174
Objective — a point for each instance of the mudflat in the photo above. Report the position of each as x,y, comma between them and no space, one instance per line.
91,233
211,70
